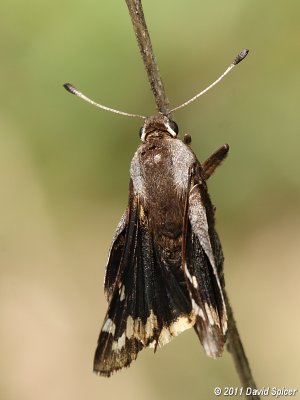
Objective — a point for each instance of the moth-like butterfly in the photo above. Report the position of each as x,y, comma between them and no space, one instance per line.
165,267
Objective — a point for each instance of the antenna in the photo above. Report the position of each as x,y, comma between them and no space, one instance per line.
72,89
235,62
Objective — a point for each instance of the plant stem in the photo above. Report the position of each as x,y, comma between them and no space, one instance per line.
145,46
235,347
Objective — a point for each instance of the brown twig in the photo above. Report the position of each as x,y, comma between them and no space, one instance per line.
234,344
235,347
144,42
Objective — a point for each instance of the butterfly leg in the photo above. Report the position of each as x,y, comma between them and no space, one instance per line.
214,161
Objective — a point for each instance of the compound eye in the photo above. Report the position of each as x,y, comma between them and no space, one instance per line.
173,126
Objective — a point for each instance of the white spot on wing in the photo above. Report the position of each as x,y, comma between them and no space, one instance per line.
122,293
198,310
212,315
187,272
143,332
224,324
177,327
129,326
119,344
209,314
109,326
194,282
151,324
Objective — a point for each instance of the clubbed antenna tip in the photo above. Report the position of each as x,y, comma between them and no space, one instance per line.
69,88
243,54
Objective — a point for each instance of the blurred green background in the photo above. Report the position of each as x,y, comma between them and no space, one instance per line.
64,184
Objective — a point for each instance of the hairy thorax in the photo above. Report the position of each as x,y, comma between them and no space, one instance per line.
160,172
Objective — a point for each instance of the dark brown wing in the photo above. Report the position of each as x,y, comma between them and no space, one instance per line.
148,305
202,264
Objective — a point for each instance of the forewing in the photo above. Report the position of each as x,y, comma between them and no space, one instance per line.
202,264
